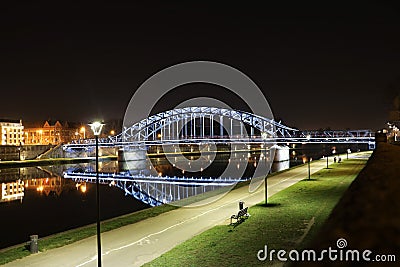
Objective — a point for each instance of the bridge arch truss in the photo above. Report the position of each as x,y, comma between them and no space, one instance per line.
203,123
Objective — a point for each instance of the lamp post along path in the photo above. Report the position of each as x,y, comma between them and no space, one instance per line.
96,128
327,161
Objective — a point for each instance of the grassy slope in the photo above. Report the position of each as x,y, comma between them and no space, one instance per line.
368,214
281,225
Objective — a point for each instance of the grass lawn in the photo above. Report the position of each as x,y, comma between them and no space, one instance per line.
292,218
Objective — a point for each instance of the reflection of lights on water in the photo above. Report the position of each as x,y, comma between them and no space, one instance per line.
83,188
39,188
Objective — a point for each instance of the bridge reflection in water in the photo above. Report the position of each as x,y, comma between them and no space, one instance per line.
161,182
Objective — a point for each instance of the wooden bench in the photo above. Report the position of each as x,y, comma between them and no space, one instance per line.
240,214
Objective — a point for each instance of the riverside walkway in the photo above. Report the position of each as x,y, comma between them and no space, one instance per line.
136,244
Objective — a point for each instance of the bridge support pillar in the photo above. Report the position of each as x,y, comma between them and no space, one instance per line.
281,158
131,159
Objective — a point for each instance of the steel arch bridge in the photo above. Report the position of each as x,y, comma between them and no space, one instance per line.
181,123
218,125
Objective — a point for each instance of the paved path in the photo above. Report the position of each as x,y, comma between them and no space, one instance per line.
136,244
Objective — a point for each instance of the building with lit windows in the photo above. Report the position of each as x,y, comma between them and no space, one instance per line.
49,133
12,191
12,132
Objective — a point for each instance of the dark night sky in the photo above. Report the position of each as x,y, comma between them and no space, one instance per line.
318,66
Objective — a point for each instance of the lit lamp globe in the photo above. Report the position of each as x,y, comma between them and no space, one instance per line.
96,127
264,135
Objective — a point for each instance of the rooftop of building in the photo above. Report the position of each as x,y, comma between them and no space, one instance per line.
10,121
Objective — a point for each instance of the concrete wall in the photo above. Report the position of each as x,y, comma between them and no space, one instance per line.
9,152
32,151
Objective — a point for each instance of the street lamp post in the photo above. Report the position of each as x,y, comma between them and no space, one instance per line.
264,136
96,128
327,157
266,189
309,173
